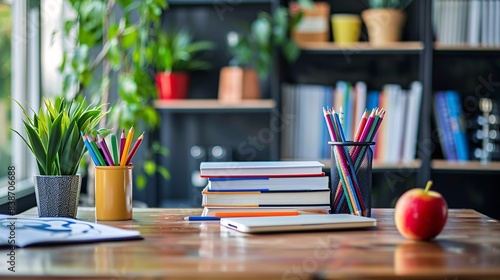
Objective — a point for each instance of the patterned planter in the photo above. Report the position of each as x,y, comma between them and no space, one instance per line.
57,196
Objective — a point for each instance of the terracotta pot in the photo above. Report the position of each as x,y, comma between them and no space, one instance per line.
384,25
237,83
172,85
314,26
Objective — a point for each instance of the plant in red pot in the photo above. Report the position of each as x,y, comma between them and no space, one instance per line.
177,54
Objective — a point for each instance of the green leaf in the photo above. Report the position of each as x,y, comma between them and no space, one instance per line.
36,147
149,167
114,54
164,172
127,89
129,38
261,31
140,182
291,51
54,142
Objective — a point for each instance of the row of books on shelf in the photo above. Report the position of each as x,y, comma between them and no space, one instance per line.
470,22
271,188
306,135
450,123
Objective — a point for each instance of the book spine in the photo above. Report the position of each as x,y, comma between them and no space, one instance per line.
444,125
456,124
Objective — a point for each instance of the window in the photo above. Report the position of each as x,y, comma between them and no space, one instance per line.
19,79
5,87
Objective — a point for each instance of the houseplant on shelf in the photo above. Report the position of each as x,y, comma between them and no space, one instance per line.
252,53
384,20
177,54
53,136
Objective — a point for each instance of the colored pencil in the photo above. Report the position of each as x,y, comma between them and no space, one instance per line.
97,151
134,149
90,150
122,144
114,147
107,155
361,125
126,148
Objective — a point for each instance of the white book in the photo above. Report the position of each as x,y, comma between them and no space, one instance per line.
491,23
411,128
360,90
396,100
269,183
484,23
474,24
445,22
464,8
286,110
260,168
249,198
497,23
311,121
436,18
453,22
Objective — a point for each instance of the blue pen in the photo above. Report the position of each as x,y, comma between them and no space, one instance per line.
200,218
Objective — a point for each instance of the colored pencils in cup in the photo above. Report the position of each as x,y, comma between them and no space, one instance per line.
102,156
348,190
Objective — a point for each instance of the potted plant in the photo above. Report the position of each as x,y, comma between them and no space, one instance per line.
53,136
177,54
384,20
252,53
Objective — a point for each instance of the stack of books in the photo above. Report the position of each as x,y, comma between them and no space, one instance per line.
264,188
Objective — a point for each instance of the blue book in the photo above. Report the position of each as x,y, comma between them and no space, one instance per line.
443,121
372,99
457,125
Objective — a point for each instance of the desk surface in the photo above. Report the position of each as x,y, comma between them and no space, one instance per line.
468,248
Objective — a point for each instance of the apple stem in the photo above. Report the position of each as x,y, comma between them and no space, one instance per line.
428,186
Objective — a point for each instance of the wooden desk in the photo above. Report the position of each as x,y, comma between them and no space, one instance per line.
468,248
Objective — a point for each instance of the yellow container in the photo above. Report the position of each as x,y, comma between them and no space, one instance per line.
113,193
346,28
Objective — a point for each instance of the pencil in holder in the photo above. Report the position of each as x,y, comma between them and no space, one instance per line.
351,177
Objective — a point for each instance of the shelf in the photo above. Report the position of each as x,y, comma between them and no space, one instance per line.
214,3
382,166
465,48
467,166
214,106
362,48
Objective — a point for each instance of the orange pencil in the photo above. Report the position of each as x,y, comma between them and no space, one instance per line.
128,142
134,149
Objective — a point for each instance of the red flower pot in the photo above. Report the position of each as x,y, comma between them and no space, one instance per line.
172,85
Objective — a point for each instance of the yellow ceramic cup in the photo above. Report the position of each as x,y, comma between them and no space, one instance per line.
113,193
346,28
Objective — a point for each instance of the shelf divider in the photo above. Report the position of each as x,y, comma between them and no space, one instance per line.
363,47
445,165
213,105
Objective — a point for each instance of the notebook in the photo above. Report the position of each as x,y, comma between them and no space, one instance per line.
298,223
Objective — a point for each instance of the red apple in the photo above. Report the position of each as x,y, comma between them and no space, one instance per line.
420,214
